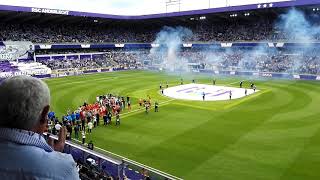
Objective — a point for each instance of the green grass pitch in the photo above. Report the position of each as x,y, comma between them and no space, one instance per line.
274,134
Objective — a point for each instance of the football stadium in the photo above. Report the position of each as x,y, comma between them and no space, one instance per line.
160,90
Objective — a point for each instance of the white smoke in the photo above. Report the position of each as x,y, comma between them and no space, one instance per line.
293,26
170,40
299,28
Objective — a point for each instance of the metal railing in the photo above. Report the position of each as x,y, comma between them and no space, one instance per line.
122,162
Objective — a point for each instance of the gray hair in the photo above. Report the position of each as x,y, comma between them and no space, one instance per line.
22,100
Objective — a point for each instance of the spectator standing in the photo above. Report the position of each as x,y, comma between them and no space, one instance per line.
90,126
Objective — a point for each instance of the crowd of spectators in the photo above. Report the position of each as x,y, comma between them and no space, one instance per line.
123,58
110,59
202,31
71,63
266,61
262,60
61,33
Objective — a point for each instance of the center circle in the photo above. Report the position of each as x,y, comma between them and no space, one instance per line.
200,92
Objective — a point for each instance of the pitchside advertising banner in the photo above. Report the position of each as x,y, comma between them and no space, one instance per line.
185,45
13,50
265,74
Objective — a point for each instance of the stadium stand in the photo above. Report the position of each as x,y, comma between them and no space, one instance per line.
262,28
224,31
236,59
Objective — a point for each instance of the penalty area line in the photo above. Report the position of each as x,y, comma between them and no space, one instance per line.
194,106
237,82
242,100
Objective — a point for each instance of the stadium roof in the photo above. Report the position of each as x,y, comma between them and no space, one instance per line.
130,7
162,15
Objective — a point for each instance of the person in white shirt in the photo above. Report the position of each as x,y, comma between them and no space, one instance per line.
94,120
90,126
58,126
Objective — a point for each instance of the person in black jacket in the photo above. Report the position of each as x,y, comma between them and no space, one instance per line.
97,118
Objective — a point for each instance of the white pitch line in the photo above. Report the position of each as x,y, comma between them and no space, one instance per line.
234,82
131,112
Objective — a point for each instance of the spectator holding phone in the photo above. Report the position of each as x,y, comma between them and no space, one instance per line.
25,154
